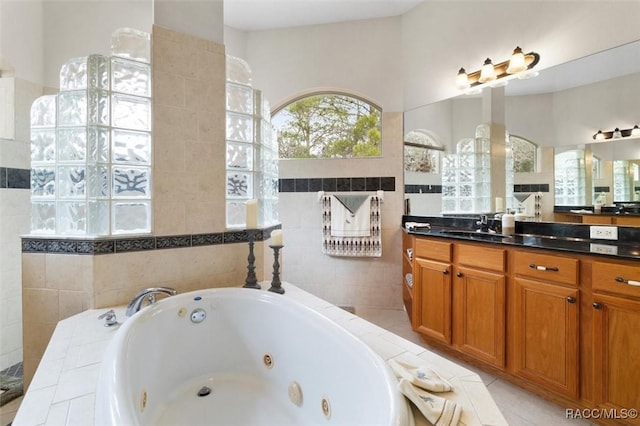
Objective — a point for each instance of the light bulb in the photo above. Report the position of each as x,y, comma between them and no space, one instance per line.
617,133
517,62
462,80
635,131
487,73
599,136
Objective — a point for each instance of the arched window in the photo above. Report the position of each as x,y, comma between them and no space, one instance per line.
328,125
524,154
421,152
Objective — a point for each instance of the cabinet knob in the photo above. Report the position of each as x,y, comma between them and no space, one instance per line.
446,272
597,305
571,299
459,275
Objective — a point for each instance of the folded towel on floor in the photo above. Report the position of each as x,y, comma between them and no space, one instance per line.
438,411
420,376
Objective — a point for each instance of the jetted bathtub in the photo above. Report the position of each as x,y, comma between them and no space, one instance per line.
235,356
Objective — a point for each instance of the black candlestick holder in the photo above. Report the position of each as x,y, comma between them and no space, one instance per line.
276,285
251,281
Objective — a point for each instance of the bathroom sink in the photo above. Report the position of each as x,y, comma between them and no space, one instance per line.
475,234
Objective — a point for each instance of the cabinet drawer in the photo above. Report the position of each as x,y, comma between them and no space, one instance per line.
432,249
481,257
617,278
546,267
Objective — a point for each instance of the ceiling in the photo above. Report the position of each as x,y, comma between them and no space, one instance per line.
257,15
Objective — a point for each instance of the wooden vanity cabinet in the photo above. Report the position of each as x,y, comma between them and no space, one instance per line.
546,314
616,338
431,311
564,326
407,272
479,297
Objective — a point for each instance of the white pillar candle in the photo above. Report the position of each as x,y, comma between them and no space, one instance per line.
276,237
499,204
252,214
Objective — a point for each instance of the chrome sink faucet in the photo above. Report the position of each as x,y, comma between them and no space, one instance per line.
484,224
150,294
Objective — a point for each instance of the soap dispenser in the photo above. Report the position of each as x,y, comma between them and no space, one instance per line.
508,223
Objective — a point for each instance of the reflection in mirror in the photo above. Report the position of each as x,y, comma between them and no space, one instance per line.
421,152
615,164
559,110
570,179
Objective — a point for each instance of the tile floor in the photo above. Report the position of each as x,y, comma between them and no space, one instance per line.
519,407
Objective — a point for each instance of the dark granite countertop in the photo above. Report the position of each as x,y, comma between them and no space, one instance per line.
620,209
571,238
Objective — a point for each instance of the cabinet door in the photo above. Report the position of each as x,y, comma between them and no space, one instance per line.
616,347
432,299
546,335
479,314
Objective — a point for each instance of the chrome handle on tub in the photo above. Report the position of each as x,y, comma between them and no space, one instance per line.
629,282
109,318
544,268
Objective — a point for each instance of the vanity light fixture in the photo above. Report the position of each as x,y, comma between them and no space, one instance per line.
617,133
519,66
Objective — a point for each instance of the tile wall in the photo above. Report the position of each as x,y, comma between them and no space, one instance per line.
188,133
360,282
14,220
189,164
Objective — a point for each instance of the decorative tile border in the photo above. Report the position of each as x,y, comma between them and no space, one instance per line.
423,189
11,178
532,187
341,184
111,245
437,189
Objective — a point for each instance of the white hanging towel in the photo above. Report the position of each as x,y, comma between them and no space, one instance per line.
350,215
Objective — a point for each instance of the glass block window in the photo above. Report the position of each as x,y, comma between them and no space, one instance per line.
252,157
622,181
329,125
91,144
466,175
570,178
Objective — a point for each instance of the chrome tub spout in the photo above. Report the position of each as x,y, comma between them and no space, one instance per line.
149,294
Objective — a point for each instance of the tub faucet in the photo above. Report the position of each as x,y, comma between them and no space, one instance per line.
150,295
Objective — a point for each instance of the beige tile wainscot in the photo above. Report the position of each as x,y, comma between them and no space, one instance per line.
63,388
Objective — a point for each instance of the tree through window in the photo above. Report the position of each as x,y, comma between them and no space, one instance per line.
328,126
524,154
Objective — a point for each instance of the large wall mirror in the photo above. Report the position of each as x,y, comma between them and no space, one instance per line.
558,111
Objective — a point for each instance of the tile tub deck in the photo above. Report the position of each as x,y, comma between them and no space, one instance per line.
63,389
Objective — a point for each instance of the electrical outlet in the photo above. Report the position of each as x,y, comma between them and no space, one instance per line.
603,232
603,249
